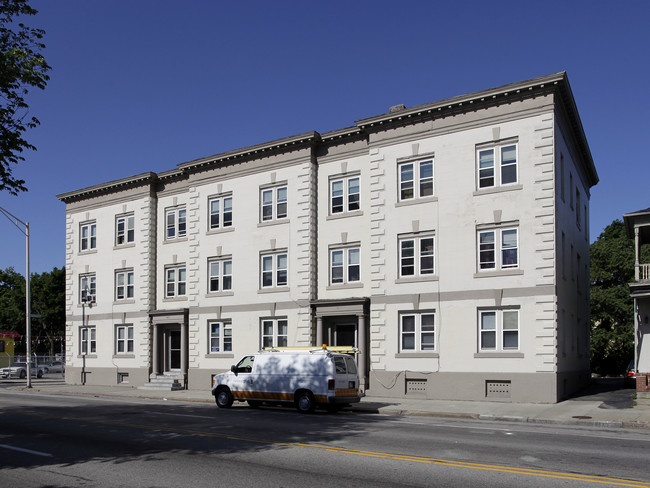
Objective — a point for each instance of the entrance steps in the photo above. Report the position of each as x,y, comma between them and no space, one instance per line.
164,382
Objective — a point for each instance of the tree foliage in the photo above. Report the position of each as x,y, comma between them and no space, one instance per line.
47,292
22,66
612,308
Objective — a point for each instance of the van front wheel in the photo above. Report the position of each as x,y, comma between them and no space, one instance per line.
305,402
223,398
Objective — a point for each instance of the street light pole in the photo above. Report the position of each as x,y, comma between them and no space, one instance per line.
28,304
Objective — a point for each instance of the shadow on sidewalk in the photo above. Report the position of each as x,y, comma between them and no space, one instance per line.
610,391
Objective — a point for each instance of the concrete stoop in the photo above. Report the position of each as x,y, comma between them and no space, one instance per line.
164,382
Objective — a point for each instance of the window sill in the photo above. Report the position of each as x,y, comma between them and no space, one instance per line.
274,290
220,230
175,299
415,201
345,286
417,279
416,355
178,239
498,189
88,251
273,222
223,355
342,215
124,302
499,355
123,246
87,356
123,356
216,294
503,272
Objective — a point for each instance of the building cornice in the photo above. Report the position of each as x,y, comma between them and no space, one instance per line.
142,179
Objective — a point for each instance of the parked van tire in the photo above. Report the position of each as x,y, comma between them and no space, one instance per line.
305,402
223,398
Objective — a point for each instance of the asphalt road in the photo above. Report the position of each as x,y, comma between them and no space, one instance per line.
72,441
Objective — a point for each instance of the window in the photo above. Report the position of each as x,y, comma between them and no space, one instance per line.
497,166
220,336
124,339
220,212
175,281
124,230
416,180
274,203
176,223
274,270
124,287
499,330
344,195
345,265
498,249
88,342
220,275
578,209
416,256
87,288
88,240
274,332
417,331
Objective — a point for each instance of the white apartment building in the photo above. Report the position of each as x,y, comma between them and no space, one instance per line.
449,242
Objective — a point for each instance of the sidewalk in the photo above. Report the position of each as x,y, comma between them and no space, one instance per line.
599,406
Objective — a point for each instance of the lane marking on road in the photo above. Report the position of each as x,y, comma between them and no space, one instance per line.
28,451
539,473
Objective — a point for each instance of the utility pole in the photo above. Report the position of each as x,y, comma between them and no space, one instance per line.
28,304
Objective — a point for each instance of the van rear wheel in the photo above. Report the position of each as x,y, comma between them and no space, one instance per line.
223,398
305,402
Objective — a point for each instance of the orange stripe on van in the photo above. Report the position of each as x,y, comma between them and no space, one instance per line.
270,396
346,392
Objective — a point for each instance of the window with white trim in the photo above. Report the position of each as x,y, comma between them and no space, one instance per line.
124,339
175,223
220,336
415,179
274,270
498,249
175,281
273,203
220,212
416,256
124,285
344,194
88,341
274,332
497,166
88,236
417,331
498,330
219,275
345,265
87,288
124,229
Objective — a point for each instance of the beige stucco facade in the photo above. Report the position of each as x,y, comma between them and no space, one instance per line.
448,242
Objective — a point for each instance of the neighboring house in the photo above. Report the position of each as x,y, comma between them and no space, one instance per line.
638,228
449,242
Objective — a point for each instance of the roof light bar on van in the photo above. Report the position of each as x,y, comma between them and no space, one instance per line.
337,349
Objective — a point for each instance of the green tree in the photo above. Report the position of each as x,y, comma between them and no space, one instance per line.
48,301
12,301
22,66
612,314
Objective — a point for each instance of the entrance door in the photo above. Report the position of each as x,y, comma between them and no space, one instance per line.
174,350
345,335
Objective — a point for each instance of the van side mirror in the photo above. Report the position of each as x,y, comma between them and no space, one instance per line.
233,368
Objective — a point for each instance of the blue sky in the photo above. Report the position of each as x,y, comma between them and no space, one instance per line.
143,85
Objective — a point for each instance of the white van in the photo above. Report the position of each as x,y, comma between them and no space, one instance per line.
304,377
